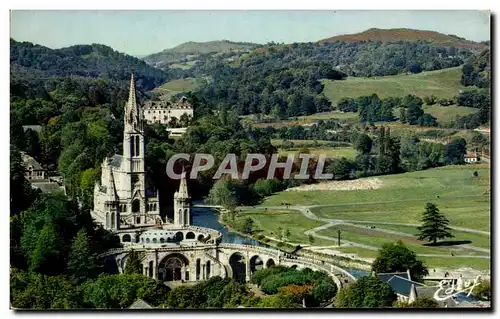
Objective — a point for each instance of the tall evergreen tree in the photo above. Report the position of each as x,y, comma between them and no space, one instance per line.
133,265
434,225
82,263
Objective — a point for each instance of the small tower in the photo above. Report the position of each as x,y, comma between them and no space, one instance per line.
182,204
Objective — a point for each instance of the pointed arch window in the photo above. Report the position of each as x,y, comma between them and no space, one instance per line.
137,146
132,146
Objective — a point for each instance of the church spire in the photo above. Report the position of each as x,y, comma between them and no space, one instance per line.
183,189
132,111
131,93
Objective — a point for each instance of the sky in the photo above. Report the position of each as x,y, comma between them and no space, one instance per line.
146,32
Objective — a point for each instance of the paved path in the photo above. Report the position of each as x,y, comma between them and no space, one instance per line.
306,211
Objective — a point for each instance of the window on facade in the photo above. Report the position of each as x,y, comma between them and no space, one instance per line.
137,146
138,220
132,146
135,206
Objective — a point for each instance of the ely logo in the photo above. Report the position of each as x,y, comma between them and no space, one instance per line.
451,291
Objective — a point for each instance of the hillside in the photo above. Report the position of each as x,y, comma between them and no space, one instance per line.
441,83
191,50
88,61
407,35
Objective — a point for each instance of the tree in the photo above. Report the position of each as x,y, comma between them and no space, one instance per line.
324,290
483,290
133,263
363,144
367,292
396,257
287,233
454,151
311,239
420,302
424,302
434,225
82,264
279,233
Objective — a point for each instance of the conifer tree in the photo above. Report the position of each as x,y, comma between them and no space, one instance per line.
434,225
82,263
133,264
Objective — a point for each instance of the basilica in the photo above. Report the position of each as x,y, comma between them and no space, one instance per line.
121,200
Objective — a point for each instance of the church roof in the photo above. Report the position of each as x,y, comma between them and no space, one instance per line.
116,160
30,161
140,304
402,286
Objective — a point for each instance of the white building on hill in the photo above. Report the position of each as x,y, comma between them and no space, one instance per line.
164,111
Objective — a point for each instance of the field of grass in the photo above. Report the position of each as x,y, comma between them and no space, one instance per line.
454,263
440,83
447,114
177,86
266,223
376,237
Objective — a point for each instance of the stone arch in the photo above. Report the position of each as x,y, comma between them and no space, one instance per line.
136,206
113,221
179,236
270,263
174,267
238,265
190,235
294,267
155,240
200,237
126,238
207,269
256,263
186,216
107,219
162,240
147,240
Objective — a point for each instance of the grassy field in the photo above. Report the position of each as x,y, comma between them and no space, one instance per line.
464,199
177,86
441,83
447,114
267,221
437,262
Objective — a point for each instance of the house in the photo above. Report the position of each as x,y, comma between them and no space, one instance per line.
471,158
401,284
34,171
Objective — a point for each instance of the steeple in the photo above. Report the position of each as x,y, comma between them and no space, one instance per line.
112,188
133,116
183,189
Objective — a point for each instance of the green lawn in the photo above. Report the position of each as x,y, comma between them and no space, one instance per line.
402,198
177,86
266,222
454,263
447,114
441,83
374,237
477,240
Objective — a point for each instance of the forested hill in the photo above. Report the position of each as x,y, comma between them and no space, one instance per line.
197,48
407,35
90,61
